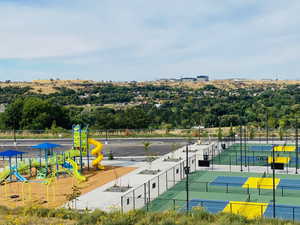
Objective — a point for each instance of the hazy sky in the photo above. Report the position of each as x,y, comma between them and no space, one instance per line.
146,40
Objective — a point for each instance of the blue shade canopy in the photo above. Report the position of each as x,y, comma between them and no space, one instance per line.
11,153
46,145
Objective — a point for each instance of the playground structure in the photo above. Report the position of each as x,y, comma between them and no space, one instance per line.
37,179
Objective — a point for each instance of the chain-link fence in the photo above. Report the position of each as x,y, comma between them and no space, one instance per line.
140,196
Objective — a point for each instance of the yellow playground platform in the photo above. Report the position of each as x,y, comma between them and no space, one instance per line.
251,210
259,182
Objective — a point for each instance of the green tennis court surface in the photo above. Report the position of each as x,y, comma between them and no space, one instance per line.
229,186
253,155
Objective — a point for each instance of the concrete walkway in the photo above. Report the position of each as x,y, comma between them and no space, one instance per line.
101,199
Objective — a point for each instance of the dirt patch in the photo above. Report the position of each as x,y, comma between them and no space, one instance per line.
54,195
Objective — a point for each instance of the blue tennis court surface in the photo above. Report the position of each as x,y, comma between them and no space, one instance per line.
289,184
283,211
229,180
236,181
210,205
261,148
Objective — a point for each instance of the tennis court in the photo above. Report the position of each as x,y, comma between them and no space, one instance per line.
235,192
255,155
283,148
250,210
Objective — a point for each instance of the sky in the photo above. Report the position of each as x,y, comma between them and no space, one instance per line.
124,40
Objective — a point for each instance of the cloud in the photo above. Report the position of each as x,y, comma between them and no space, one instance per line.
143,40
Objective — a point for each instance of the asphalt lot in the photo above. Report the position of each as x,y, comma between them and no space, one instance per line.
119,147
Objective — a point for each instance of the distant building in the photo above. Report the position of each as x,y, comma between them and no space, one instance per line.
202,78
239,80
188,79
163,80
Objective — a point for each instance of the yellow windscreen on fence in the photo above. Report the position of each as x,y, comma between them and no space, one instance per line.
250,210
262,183
278,159
284,148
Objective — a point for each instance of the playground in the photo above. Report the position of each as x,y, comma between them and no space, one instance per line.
55,178
248,194
53,195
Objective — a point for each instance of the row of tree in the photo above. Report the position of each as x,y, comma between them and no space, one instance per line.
209,107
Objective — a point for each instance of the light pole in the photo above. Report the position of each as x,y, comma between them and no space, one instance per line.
267,124
245,145
106,136
296,145
273,167
241,147
187,171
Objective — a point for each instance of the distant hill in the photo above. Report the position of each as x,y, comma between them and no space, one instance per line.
52,86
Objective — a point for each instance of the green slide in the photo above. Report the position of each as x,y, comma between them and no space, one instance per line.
76,174
4,175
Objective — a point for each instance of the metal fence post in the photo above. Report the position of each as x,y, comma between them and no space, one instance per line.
293,214
174,176
167,180
149,191
230,162
145,195
122,204
158,185
133,194
180,166
174,204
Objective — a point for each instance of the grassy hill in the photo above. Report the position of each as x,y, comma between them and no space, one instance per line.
51,86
